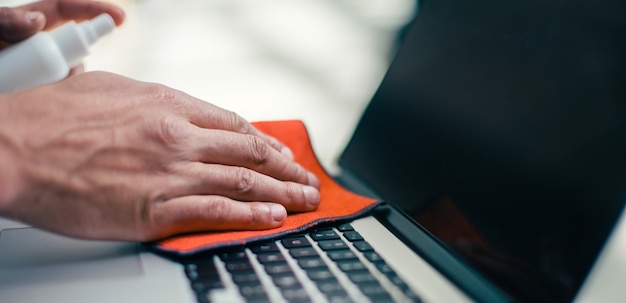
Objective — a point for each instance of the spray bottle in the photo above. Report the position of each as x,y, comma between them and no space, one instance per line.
48,57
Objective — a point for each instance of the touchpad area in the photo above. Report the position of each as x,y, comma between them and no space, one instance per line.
32,256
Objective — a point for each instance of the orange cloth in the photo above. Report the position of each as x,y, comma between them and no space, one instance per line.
336,203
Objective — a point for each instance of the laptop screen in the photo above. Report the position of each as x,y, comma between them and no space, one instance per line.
501,127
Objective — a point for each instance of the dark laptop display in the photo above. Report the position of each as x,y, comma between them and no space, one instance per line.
508,126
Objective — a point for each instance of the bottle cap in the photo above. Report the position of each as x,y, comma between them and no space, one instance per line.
74,40
98,27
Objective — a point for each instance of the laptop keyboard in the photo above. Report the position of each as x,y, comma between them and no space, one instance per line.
324,265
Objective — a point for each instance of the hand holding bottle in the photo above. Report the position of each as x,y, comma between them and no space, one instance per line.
20,23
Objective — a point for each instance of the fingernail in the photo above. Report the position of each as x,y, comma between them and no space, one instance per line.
287,152
33,16
279,213
313,180
312,196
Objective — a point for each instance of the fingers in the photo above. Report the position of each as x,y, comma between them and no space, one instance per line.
216,118
60,11
199,213
209,116
242,184
17,24
82,10
223,137
253,152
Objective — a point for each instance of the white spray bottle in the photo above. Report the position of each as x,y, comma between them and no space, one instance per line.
48,57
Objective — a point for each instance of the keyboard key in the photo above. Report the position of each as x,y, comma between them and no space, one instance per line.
320,273
308,263
233,255
342,254
296,295
203,277
382,298
212,279
351,265
324,234
264,248
191,275
353,236
396,280
241,278
277,268
339,298
239,266
196,271
345,227
286,281
375,291
305,252
362,246
361,277
385,269
270,257
206,264
331,287
332,244
252,290
299,241
206,286
373,256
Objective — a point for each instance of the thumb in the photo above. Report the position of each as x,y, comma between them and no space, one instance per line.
19,24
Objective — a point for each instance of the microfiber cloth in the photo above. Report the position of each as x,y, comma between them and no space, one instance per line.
337,203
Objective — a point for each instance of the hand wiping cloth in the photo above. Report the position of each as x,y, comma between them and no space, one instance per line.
337,203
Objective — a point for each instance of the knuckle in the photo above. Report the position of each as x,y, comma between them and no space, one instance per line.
244,182
253,216
293,193
172,131
237,123
297,198
297,173
259,150
259,215
221,213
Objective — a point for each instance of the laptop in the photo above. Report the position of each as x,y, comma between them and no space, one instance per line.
496,137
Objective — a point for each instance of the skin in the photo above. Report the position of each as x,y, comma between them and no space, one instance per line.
101,156
19,23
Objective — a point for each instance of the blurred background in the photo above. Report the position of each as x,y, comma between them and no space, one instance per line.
315,60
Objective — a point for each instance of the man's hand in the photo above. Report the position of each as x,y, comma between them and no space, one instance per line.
102,156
